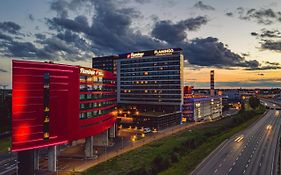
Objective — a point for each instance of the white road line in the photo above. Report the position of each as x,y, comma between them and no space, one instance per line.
237,158
230,169
216,171
260,164
249,160
247,165
220,165
233,163
244,171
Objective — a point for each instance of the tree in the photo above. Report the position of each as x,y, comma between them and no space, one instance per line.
254,102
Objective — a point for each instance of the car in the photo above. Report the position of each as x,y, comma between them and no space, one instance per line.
146,130
239,138
269,127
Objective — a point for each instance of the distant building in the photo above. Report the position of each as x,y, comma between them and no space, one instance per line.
5,110
188,90
202,108
107,63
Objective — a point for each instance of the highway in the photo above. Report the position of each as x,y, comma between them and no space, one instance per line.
256,153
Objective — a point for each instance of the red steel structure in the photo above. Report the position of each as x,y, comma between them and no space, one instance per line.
55,103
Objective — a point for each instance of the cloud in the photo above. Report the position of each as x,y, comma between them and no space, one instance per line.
40,36
267,66
271,45
167,31
210,52
272,63
229,14
270,39
60,6
10,27
143,1
110,31
5,37
200,5
261,16
31,17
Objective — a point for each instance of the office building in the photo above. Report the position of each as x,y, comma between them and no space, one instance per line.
199,108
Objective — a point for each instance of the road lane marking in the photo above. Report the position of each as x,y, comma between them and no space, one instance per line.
247,165
220,165
237,158
216,171
230,169
260,164
244,171
233,163
249,160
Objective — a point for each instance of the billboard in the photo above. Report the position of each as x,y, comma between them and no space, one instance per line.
46,106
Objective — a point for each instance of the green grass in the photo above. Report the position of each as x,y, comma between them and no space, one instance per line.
177,154
4,144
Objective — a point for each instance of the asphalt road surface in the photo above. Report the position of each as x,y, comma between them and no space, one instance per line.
256,154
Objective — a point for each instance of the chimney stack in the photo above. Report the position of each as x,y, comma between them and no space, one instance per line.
212,83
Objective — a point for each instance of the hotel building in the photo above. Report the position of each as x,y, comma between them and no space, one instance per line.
150,82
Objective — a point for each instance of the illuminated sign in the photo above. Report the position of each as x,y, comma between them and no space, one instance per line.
135,55
46,106
164,52
91,72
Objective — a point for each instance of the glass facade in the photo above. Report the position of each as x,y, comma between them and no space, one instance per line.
97,94
151,80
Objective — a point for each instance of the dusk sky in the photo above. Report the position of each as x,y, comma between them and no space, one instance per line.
239,39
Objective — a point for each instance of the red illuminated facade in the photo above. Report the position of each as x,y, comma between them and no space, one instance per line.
55,103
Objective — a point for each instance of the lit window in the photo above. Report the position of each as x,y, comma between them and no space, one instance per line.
145,73
145,91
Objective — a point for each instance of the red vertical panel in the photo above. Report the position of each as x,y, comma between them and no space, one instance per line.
28,108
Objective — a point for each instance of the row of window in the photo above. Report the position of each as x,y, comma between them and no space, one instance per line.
151,87
149,82
175,91
154,68
96,96
154,96
124,66
84,106
150,100
152,59
151,78
174,72
96,88
87,115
